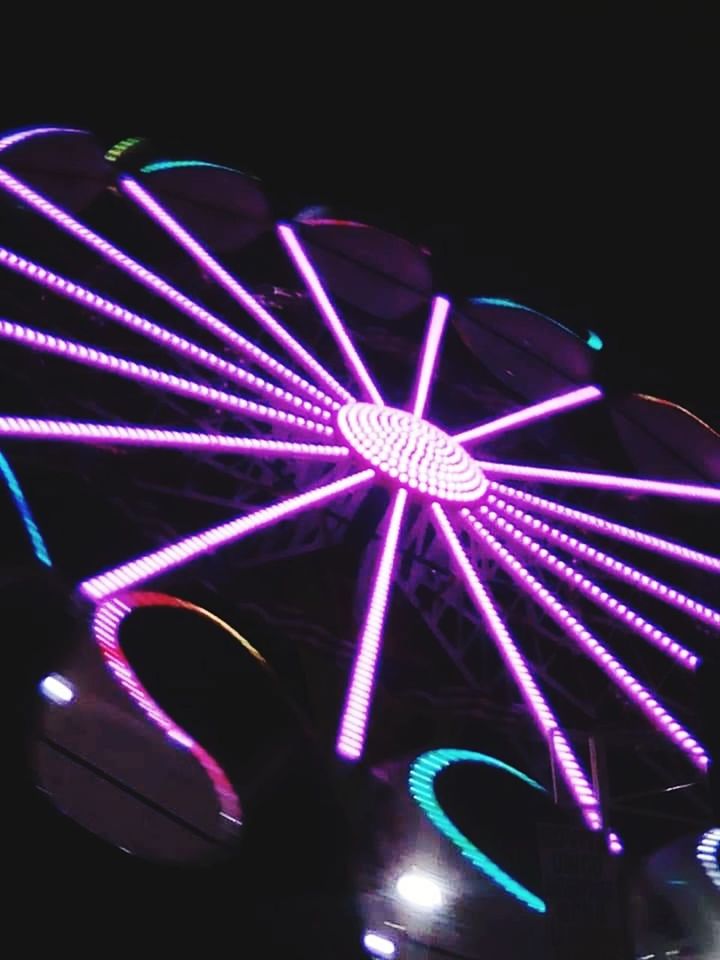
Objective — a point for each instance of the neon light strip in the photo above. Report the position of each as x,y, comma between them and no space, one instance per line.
116,151
107,620
181,164
81,432
171,226
422,789
177,554
620,570
23,508
609,528
576,631
538,411
708,850
160,287
603,481
569,766
429,355
356,711
153,331
12,138
90,357
328,312
606,601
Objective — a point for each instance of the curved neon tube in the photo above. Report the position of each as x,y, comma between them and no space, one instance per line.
23,508
422,789
708,853
107,620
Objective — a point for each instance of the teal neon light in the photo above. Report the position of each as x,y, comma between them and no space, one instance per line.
421,782
174,164
594,341
23,508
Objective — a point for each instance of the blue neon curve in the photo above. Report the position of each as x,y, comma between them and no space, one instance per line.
594,341
23,508
174,164
421,783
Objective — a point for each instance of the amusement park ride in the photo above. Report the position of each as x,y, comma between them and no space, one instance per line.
515,516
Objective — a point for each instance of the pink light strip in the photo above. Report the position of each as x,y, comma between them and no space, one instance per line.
609,528
183,551
90,357
606,601
356,711
620,570
153,331
106,624
276,330
620,675
19,135
431,347
603,481
538,411
161,288
328,312
576,779
78,432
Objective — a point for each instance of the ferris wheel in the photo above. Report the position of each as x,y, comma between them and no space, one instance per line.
477,422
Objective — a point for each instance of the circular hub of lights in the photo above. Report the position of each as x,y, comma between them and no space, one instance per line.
412,453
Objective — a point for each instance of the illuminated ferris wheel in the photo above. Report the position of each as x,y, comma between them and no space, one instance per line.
285,386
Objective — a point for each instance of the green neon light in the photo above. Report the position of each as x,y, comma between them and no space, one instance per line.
174,164
116,151
421,782
23,508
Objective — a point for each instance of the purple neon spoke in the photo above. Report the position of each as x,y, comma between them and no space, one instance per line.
356,711
608,528
129,369
603,481
328,312
538,411
183,551
107,620
577,781
33,428
578,632
429,355
153,331
623,571
201,256
161,288
606,601
19,135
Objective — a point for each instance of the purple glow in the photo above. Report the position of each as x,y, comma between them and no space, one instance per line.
615,845
606,601
161,288
328,312
573,628
577,781
183,551
179,345
356,712
80,432
411,453
90,357
429,355
276,330
107,620
604,481
538,411
609,528
19,135
622,571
